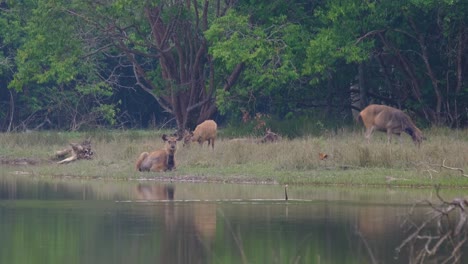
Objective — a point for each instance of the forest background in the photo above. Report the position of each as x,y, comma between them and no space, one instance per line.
84,64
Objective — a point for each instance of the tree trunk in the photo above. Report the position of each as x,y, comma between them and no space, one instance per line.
362,86
430,73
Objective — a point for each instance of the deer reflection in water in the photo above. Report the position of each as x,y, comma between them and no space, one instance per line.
155,192
189,228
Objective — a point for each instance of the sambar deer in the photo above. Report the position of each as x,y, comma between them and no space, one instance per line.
388,119
161,159
205,131
269,137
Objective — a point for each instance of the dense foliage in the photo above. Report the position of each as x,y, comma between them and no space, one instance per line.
126,63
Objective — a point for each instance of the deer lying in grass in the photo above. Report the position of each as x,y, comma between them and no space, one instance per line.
161,159
388,119
269,137
75,152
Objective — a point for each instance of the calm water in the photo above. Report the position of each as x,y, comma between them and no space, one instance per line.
72,221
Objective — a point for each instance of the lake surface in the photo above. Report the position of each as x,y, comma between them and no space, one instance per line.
51,221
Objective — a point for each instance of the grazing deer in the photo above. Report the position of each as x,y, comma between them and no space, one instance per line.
388,119
205,131
161,159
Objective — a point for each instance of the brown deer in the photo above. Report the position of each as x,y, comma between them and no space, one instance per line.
388,119
205,131
161,159
269,137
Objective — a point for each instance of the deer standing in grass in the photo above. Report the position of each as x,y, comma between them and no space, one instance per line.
205,131
391,120
161,159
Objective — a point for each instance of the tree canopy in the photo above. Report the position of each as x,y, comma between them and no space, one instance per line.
127,63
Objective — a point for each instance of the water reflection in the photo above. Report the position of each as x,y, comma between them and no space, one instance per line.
155,192
188,230
71,221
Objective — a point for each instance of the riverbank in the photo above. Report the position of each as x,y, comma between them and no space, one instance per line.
441,159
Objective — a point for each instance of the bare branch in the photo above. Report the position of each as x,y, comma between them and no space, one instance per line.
443,246
368,34
452,168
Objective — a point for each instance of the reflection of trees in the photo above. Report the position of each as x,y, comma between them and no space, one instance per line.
292,232
24,188
158,230
377,228
189,228
442,236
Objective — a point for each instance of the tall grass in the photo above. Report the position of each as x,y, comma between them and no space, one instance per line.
350,158
344,149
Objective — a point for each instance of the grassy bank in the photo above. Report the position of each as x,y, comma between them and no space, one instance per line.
351,160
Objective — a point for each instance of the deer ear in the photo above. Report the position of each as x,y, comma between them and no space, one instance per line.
176,135
164,137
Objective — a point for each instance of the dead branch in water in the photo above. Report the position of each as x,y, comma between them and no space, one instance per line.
366,246
75,152
441,236
286,192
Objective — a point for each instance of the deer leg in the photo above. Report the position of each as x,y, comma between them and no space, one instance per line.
368,133
157,167
69,159
389,136
63,153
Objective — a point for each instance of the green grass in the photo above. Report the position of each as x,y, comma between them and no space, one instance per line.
292,161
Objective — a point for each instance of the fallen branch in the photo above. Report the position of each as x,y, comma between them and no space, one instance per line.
366,246
452,168
430,170
441,235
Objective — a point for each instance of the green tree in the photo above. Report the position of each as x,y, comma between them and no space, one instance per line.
56,85
268,40
11,37
65,61
163,43
406,53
